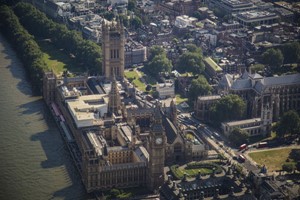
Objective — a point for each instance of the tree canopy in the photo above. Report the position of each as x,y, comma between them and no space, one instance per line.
124,19
86,52
199,87
291,52
193,48
257,67
238,137
154,51
288,167
198,15
136,22
24,44
289,124
273,58
228,108
191,60
160,63
131,5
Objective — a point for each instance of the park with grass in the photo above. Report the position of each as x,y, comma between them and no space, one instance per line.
134,77
180,99
273,159
192,169
57,59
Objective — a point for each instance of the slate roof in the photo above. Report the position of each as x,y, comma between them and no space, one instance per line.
255,76
206,183
226,81
261,83
259,86
282,80
94,86
241,84
245,75
171,131
142,153
292,79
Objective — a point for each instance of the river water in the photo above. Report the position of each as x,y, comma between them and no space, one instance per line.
34,161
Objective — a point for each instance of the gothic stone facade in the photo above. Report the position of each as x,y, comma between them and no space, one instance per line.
275,95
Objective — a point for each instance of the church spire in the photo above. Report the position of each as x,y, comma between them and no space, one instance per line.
157,118
114,104
173,112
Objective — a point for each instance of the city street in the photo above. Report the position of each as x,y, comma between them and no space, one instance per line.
216,141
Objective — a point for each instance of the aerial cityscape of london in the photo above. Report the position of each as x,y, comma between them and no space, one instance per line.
150,99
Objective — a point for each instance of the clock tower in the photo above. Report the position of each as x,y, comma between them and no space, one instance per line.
157,141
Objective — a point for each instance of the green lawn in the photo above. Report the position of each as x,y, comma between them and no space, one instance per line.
273,159
133,75
180,99
57,59
193,171
190,136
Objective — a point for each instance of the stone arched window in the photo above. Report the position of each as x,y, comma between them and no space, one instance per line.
178,147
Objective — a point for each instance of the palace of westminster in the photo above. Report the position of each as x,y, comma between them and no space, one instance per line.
123,140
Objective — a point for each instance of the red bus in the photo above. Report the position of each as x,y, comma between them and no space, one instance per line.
262,144
242,158
242,147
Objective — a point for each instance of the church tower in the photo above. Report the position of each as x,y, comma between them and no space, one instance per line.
266,117
113,47
49,85
114,103
157,141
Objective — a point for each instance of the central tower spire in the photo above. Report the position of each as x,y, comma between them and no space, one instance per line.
114,104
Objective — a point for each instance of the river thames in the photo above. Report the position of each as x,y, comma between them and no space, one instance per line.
34,161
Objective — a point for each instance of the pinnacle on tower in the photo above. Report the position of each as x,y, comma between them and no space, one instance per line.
114,97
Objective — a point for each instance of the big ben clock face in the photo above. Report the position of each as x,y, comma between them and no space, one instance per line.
158,140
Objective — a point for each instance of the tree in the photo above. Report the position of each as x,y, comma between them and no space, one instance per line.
198,15
228,108
273,58
131,5
155,95
24,44
219,13
288,167
124,20
238,136
298,166
191,62
295,154
289,124
291,52
193,48
199,87
136,22
160,63
257,67
108,15
86,52
156,50
175,41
